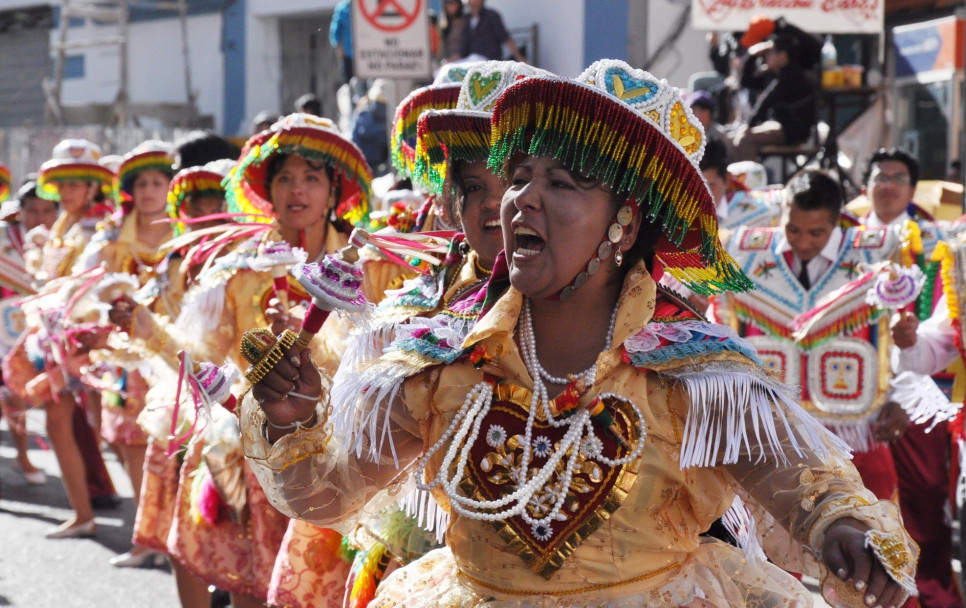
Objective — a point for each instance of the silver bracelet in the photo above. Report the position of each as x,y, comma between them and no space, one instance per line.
306,397
298,424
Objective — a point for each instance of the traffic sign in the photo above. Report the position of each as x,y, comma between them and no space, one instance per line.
391,39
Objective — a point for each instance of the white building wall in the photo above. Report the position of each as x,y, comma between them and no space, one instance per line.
276,8
263,51
687,56
560,30
263,67
8,5
155,64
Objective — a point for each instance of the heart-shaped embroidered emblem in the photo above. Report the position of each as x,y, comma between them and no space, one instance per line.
482,86
596,489
627,88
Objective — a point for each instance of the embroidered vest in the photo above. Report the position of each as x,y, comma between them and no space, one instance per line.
752,208
844,375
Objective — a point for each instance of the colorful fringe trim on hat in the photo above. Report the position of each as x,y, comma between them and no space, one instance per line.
246,190
200,183
443,137
69,172
4,182
604,139
405,121
136,164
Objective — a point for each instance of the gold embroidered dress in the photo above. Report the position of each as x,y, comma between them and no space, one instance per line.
713,426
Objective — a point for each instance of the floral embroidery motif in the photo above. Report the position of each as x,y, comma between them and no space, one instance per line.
496,436
583,488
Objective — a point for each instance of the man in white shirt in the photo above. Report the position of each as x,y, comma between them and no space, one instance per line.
890,182
794,268
921,458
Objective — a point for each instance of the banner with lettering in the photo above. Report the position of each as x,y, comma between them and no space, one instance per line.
815,16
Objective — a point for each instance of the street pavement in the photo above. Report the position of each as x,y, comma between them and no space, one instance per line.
68,573
73,573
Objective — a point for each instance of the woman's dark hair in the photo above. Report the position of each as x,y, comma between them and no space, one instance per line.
275,165
449,21
715,158
896,154
200,147
813,189
27,190
643,247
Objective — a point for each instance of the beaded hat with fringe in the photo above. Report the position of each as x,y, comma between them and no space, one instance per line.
633,133
463,133
196,181
313,138
152,154
73,160
441,95
403,137
4,182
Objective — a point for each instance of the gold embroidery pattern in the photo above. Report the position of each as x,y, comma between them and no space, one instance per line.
596,491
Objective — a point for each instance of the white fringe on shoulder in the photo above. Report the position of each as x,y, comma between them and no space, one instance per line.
922,400
739,521
733,411
429,515
857,435
361,402
202,308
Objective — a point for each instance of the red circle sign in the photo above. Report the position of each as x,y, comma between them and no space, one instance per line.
390,15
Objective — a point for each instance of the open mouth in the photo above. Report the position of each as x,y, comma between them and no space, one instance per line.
528,242
492,225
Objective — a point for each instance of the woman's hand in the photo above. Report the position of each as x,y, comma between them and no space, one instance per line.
846,556
131,317
891,423
280,320
904,330
292,374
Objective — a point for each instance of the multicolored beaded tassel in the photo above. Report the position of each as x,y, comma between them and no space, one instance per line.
4,182
445,137
405,121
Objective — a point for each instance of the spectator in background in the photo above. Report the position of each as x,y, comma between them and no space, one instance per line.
484,34
955,173
714,168
368,125
263,121
340,37
454,28
309,104
785,110
761,27
200,147
704,108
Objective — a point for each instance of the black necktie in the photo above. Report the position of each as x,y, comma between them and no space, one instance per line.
803,276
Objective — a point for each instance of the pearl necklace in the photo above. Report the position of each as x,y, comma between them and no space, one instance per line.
580,438
529,344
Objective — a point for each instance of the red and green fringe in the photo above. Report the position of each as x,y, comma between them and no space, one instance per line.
4,182
200,183
406,120
924,303
606,140
845,325
68,172
447,136
124,181
763,322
